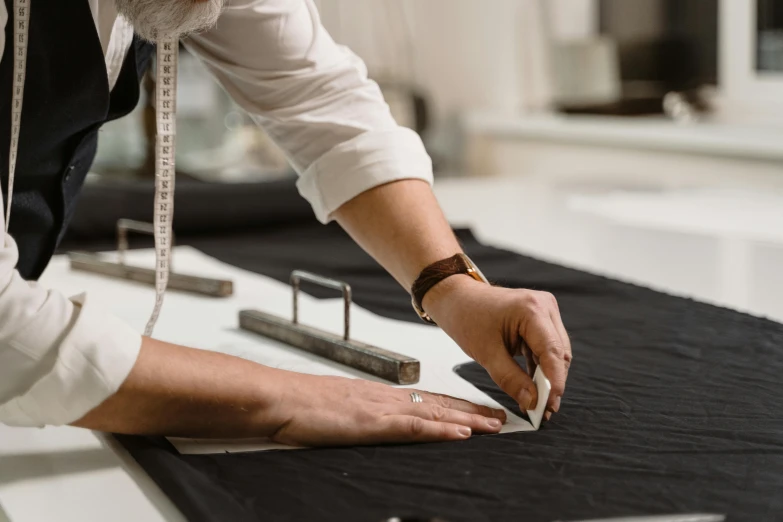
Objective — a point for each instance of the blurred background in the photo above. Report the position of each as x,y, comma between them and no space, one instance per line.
641,139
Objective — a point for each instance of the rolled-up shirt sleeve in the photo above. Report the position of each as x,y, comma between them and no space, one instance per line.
59,357
313,97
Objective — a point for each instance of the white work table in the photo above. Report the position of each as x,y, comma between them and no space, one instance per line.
70,474
710,246
719,245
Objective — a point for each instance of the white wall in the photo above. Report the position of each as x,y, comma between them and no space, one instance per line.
573,19
468,54
464,52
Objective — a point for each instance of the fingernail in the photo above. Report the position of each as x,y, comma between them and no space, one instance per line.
527,398
494,423
548,415
556,405
464,432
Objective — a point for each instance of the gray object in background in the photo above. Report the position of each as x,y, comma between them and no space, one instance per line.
585,73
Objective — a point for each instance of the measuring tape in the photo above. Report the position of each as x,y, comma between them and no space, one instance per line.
21,30
165,115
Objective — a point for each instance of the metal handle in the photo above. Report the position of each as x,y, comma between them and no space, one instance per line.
142,227
299,275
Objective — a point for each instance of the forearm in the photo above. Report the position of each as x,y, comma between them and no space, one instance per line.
173,390
401,225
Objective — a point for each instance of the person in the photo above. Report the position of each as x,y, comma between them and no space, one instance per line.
67,361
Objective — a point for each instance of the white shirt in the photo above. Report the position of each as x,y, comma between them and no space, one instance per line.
61,357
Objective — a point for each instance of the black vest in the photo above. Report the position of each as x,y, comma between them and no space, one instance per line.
66,100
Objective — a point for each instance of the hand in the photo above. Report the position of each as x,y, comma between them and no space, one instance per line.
177,391
493,324
334,411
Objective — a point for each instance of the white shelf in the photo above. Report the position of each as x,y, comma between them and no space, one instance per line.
661,134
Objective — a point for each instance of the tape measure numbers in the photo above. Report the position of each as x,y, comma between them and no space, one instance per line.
21,31
165,116
165,108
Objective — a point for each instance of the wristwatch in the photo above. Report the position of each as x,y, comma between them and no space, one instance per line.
437,272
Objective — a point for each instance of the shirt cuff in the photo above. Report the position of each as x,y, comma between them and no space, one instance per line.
370,159
93,360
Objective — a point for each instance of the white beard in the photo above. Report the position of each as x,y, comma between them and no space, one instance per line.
152,18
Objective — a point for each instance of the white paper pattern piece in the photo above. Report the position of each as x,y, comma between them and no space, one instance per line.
212,324
544,387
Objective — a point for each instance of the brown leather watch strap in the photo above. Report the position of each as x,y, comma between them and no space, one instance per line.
434,274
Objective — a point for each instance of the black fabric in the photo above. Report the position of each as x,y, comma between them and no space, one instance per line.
66,100
672,406
253,206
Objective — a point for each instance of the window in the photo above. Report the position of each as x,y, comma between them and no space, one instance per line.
751,58
769,36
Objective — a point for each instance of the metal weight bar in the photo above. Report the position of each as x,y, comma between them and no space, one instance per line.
297,276
186,283
394,367
125,225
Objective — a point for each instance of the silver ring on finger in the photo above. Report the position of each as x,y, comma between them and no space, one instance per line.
416,397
